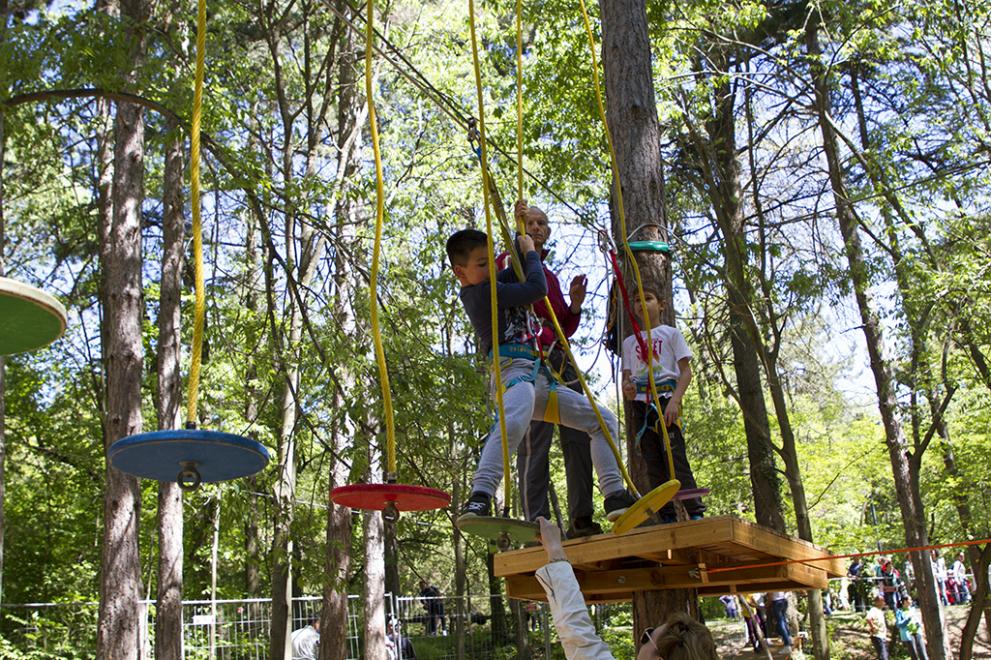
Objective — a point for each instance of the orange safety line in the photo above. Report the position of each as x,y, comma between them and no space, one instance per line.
851,555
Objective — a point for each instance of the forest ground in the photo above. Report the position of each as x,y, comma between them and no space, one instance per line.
849,636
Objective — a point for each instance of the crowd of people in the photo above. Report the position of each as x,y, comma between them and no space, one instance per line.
881,583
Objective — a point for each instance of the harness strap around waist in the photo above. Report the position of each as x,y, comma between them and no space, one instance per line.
643,387
517,351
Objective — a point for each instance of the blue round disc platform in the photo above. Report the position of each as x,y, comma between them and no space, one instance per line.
163,455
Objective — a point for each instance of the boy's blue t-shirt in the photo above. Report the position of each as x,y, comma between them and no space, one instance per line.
513,297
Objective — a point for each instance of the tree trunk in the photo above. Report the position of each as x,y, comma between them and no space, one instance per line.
168,611
906,490
717,154
391,557
980,603
4,4
252,551
120,586
496,603
632,121
461,611
374,583
337,562
333,638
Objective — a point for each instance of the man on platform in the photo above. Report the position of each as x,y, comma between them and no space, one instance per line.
533,455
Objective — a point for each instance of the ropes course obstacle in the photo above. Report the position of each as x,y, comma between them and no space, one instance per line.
191,456
713,556
29,318
672,486
650,503
389,497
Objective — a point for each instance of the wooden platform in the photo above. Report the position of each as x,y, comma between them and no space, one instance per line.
611,567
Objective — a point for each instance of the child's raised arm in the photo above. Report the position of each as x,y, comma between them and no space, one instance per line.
518,294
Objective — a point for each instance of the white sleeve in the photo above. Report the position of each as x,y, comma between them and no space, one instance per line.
628,344
570,614
680,346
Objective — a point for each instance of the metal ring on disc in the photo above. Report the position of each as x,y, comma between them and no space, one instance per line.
183,455
29,318
649,504
385,497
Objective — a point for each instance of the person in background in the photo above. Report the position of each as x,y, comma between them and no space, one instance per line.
779,605
729,602
856,588
910,629
679,638
889,582
961,593
401,646
434,605
754,619
305,642
939,572
877,625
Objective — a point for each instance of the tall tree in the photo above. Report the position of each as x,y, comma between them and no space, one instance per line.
168,609
632,120
351,114
120,568
4,7
373,595
906,488
304,248
716,151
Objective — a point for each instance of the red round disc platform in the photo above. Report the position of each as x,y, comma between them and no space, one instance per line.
690,493
376,497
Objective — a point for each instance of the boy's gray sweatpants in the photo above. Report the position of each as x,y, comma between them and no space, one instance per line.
527,401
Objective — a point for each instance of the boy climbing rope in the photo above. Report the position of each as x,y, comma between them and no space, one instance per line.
672,374
527,384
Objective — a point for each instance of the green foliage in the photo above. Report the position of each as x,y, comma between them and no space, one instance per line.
275,169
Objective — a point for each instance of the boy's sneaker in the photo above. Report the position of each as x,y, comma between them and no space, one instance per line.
583,526
478,505
617,504
695,516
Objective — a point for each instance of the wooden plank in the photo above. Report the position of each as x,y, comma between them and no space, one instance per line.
786,547
614,584
605,547
612,567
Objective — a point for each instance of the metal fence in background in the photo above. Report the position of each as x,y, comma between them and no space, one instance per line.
239,629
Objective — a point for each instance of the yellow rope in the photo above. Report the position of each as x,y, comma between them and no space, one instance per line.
199,312
390,425
565,345
626,243
493,296
520,194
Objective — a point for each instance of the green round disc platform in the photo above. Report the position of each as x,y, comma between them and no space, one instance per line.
650,246
646,506
29,318
496,528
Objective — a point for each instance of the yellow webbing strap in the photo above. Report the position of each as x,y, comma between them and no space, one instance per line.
520,195
390,424
199,311
552,402
493,299
626,243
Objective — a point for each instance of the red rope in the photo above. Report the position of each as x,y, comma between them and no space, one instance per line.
851,555
626,303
